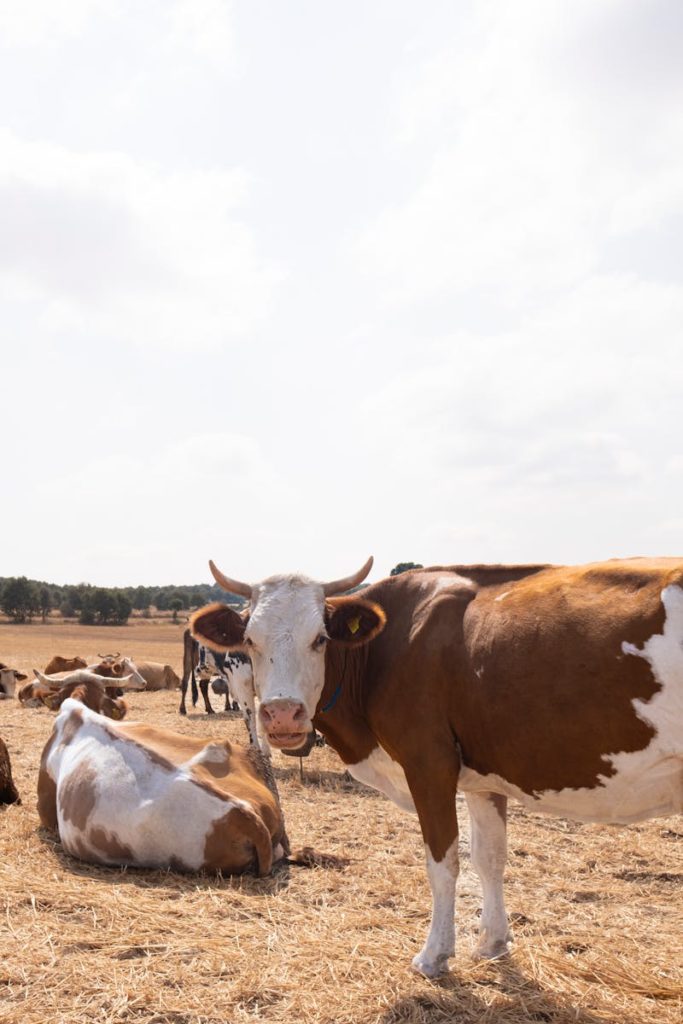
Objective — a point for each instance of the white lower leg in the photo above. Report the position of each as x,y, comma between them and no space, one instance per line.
489,854
432,960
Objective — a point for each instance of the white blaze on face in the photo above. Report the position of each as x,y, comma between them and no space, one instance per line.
285,641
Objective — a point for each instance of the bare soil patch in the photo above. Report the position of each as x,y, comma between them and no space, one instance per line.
597,911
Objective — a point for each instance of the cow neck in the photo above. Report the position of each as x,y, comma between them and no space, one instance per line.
341,709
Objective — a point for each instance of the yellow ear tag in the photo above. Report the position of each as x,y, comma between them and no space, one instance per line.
354,624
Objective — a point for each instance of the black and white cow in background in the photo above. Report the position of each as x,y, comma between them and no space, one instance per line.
231,674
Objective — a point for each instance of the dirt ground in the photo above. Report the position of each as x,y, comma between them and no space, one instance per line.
597,911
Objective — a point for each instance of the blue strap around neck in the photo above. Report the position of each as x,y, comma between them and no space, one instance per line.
332,701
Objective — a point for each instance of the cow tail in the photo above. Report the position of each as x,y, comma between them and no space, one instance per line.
195,691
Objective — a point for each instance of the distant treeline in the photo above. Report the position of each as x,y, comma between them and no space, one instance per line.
23,600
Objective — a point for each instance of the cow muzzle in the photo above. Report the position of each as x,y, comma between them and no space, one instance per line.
286,723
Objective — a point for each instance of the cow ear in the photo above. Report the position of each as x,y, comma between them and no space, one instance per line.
353,621
218,626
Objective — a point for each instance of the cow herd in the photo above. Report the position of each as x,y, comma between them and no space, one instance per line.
558,686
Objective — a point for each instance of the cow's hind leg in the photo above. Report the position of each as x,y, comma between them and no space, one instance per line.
489,853
204,687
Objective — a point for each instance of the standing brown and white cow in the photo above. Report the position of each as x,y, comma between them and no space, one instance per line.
559,686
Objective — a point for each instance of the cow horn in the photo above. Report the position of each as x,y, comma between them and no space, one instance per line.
124,683
232,586
339,586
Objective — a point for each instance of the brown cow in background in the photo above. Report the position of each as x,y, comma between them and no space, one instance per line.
60,664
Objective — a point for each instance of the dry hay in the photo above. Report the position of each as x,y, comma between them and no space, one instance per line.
596,911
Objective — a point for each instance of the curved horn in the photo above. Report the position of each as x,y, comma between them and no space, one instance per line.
339,586
232,586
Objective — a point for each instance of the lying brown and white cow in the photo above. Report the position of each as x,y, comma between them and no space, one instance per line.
87,688
8,791
155,674
158,676
60,664
137,795
96,691
559,686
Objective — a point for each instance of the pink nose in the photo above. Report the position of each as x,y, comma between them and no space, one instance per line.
283,716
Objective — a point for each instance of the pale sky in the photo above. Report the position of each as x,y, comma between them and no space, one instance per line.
285,284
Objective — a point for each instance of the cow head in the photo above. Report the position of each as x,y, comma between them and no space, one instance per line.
89,692
285,631
9,677
120,670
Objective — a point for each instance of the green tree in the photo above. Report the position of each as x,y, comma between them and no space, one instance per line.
104,604
142,597
175,604
124,607
160,599
404,566
45,602
19,599
87,616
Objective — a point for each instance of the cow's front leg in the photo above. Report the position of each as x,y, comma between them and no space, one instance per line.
435,804
488,847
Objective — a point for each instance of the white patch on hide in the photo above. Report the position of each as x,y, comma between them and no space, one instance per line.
383,773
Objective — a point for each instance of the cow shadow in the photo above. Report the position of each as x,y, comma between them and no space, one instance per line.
169,880
218,715
338,782
460,998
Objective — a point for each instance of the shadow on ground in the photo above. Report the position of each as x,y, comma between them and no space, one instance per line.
522,1000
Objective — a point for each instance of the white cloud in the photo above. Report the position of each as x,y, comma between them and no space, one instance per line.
37,22
528,173
180,29
204,27
174,505
433,271
127,251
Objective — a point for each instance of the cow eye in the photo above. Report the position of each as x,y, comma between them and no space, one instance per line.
319,642
248,641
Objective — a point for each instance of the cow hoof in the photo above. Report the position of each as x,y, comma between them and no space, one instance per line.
430,968
182,711
491,951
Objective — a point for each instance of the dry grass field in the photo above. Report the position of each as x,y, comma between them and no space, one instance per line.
596,911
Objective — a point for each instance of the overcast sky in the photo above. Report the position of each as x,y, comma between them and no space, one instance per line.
286,284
